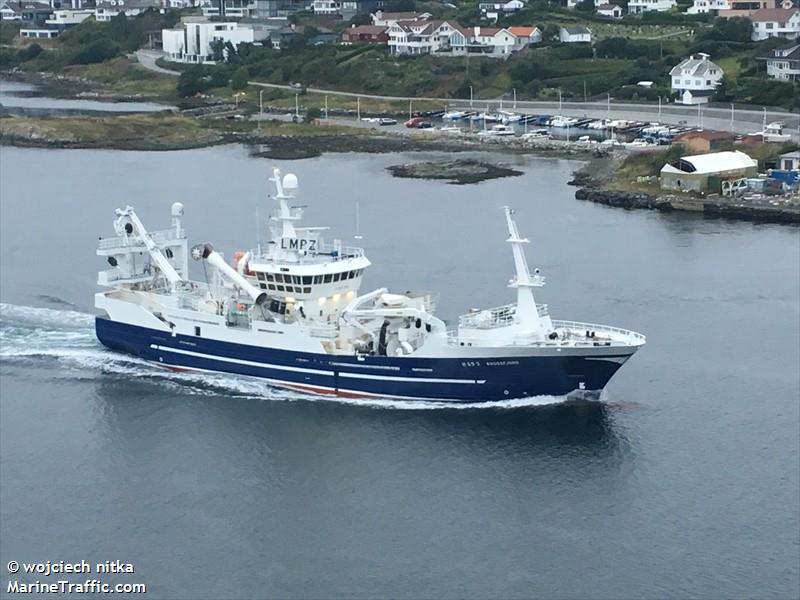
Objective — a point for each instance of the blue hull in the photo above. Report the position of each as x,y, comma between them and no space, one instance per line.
437,379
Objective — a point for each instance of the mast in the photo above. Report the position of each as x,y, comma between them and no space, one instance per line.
527,315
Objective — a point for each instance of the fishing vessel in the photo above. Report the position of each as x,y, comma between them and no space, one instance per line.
290,312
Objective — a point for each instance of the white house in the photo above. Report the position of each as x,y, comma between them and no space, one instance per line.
784,63
326,7
386,19
105,10
612,11
639,6
694,79
192,42
491,9
571,35
234,9
700,7
67,17
526,35
789,161
775,22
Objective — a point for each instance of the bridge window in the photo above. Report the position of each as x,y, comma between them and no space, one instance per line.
317,278
263,286
278,277
260,276
351,274
270,277
307,280
328,278
336,276
271,286
279,288
307,290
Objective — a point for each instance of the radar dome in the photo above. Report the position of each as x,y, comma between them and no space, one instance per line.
290,181
177,209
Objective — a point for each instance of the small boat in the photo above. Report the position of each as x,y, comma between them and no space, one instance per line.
498,131
489,118
509,117
561,121
774,132
450,130
538,134
454,115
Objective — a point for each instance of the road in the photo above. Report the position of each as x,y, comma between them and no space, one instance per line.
740,121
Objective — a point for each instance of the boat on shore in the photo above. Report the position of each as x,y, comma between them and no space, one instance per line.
498,130
290,313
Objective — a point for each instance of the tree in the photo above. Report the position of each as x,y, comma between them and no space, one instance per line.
585,6
217,47
191,82
239,79
312,114
735,29
724,90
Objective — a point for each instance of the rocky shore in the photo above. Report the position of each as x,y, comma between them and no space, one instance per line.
453,171
750,210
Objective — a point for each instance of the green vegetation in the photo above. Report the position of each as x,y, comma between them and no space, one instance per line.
641,48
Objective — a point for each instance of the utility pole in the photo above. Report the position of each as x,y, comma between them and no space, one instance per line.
515,98
608,106
358,107
326,107
410,110
732,115
260,107
297,106
470,92
659,107
585,98
559,101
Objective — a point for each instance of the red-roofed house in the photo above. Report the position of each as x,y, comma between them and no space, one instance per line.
525,36
365,34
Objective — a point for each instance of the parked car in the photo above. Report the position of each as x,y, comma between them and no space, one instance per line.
414,121
299,88
387,121
424,125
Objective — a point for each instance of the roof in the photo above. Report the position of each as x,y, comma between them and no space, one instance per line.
714,162
706,134
580,30
403,16
523,31
487,30
608,7
791,52
795,154
367,29
776,15
697,65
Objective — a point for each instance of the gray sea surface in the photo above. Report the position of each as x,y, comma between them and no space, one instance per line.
683,481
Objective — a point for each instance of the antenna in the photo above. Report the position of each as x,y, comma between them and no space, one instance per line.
358,235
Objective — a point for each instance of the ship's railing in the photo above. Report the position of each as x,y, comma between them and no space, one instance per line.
500,316
323,252
160,237
615,333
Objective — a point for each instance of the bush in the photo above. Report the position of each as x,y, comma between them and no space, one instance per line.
239,78
95,52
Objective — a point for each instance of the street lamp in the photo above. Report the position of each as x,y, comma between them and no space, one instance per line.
515,98
470,96
260,106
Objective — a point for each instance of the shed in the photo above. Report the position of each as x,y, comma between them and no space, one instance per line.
704,172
